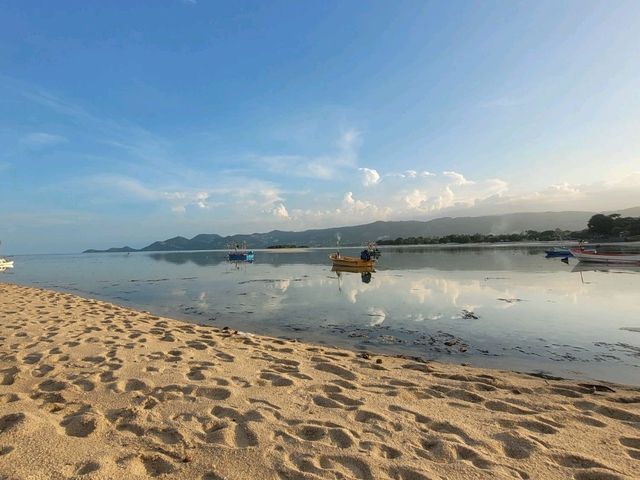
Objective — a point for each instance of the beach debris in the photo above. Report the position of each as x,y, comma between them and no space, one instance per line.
378,361
469,315
365,355
544,376
596,387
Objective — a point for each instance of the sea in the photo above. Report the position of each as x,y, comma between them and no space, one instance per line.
500,306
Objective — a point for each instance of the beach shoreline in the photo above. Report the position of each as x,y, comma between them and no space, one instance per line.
93,390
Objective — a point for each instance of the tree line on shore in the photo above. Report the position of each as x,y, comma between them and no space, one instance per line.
600,227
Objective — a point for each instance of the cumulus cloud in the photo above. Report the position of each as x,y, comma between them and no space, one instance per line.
280,211
369,176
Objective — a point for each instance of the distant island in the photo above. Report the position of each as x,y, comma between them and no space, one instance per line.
275,247
513,227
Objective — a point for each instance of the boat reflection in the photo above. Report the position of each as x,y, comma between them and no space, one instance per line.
606,267
366,273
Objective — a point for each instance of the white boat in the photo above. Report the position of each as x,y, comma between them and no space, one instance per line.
605,257
4,263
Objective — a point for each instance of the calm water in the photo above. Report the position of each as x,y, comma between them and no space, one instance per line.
501,307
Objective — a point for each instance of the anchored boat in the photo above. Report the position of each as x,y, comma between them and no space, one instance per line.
241,254
339,260
558,252
4,263
605,257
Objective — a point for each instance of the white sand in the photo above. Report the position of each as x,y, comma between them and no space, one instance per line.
92,390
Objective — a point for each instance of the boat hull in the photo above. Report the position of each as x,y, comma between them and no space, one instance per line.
241,257
613,258
558,252
350,262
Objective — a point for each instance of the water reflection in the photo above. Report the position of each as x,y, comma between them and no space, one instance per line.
397,258
509,308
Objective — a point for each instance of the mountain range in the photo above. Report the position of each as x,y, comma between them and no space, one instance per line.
382,230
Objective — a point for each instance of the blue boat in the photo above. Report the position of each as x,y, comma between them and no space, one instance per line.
239,253
242,256
558,252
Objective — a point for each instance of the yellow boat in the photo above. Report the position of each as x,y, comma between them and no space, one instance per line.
350,262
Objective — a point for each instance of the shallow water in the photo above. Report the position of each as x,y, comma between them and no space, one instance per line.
506,307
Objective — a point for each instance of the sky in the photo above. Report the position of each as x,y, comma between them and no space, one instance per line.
125,122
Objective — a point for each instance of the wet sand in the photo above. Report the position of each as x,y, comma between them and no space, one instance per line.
92,390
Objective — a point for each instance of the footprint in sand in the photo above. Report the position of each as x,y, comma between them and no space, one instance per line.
11,421
336,370
32,358
596,475
634,446
5,450
276,379
213,393
611,412
516,446
498,406
79,425
346,467
195,374
8,375
237,435
380,450
88,467
52,386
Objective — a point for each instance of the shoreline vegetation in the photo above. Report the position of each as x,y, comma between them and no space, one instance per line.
602,228
90,389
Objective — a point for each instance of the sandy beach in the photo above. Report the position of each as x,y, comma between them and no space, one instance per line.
93,390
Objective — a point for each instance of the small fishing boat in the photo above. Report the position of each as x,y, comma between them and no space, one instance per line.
4,263
342,261
241,254
605,257
558,252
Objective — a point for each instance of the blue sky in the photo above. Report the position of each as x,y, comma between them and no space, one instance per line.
126,122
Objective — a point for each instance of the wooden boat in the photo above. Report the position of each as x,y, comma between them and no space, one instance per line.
605,257
352,262
352,269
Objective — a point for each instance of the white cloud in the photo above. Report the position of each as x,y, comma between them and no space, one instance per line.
280,211
458,178
238,193
369,176
323,167
42,139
